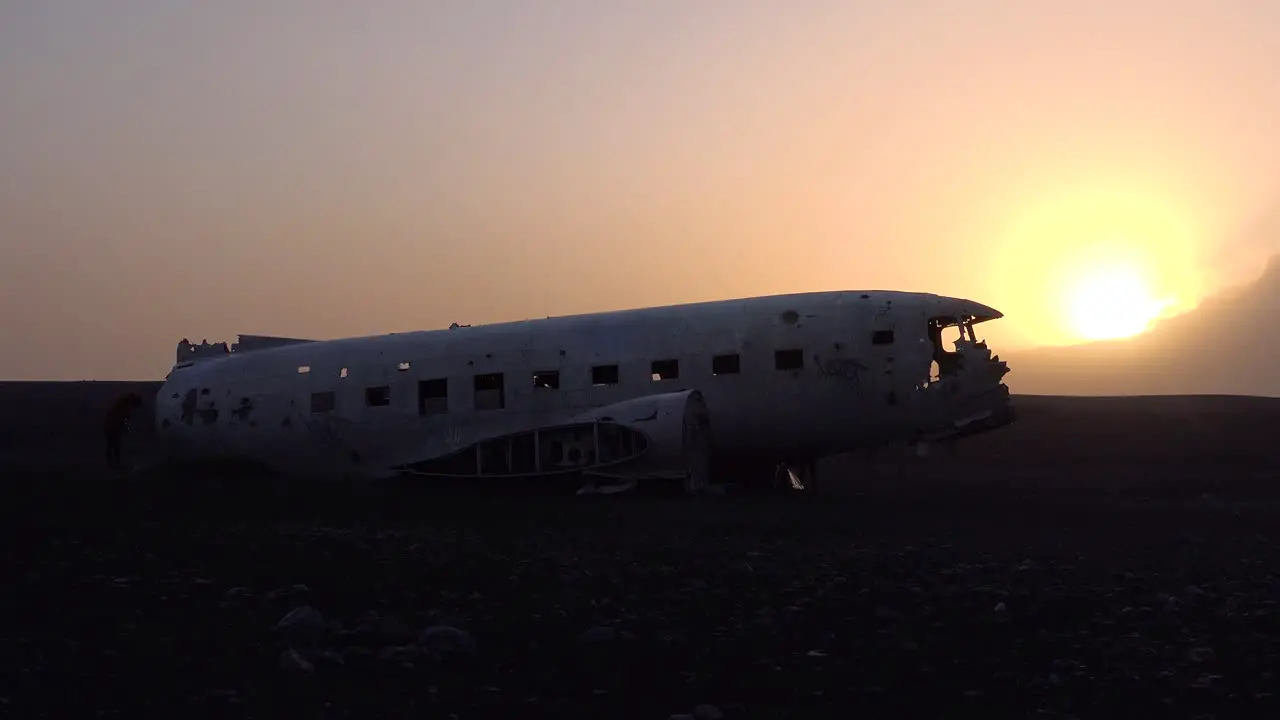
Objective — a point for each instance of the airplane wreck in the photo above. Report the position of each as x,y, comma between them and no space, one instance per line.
703,395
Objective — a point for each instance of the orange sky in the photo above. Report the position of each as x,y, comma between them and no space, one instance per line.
306,169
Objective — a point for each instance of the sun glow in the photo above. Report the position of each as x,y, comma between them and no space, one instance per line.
1097,264
1112,302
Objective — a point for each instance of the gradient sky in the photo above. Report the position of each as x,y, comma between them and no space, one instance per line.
319,168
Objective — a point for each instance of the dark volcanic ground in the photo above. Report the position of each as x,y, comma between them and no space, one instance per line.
1102,556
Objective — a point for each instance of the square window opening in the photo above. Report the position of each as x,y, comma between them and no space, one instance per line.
788,359
379,396
664,370
433,396
604,375
489,392
726,364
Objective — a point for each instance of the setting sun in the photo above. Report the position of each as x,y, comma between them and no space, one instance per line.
1097,264
1111,302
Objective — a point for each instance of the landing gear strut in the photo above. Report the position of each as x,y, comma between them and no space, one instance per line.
803,476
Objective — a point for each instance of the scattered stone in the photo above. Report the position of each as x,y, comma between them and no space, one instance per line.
297,591
1200,654
393,629
707,711
441,642
291,660
400,653
302,622
598,635
325,656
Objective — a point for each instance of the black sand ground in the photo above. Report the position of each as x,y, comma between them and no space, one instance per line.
1100,557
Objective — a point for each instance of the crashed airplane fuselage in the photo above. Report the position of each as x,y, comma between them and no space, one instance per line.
694,393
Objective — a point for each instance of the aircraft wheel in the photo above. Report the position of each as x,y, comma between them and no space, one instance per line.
697,478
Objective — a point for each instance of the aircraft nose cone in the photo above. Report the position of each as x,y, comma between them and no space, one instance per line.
963,306
983,312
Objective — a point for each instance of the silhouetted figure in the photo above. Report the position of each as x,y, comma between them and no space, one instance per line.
116,424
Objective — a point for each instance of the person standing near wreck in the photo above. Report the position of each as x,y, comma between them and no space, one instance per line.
116,423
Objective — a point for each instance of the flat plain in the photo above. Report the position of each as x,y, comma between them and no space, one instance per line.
1101,556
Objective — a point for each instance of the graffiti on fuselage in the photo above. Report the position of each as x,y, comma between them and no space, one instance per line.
846,371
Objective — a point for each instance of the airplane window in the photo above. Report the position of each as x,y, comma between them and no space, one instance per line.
944,332
402,366
377,396
433,396
788,359
547,379
489,390
664,369
304,369
323,402
882,337
949,337
604,375
726,365
342,373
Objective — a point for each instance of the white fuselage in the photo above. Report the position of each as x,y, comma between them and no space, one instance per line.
783,377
